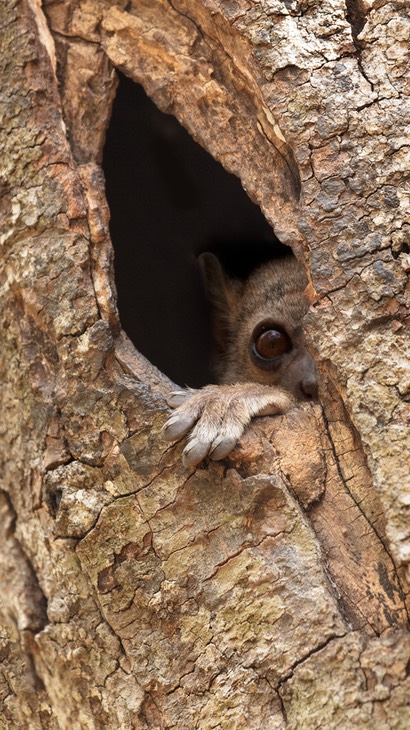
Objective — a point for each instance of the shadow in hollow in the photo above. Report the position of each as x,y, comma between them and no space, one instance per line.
169,201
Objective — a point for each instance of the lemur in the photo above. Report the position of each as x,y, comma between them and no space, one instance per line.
260,359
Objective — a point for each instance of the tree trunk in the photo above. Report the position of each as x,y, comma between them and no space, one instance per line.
267,591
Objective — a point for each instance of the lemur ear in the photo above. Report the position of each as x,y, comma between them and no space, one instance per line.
224,296
216,282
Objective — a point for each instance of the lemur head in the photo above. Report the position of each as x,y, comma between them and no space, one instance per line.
257,326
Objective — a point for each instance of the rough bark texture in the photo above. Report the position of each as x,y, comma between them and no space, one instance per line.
268,591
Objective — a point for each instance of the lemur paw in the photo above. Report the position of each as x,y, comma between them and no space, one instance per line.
216,416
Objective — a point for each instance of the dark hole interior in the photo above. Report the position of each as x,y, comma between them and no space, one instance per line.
169,201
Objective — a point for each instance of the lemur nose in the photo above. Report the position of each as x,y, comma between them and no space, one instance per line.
308,382
309,387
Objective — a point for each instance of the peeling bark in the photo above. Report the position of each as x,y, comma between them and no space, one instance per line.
270,590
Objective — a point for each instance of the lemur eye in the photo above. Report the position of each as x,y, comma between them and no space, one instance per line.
272,343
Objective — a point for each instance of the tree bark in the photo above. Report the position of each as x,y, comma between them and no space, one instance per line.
268,591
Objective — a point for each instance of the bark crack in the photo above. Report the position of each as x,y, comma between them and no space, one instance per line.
356,17
294,172
188,17
22,593
342,477
305,658
245,546
364,515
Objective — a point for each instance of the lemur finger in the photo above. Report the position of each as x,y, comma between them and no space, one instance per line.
195,451
177,397
177,426
222,447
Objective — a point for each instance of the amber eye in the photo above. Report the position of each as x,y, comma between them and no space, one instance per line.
272,343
